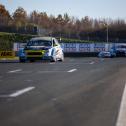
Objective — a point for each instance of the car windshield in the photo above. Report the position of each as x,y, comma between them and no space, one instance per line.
39,43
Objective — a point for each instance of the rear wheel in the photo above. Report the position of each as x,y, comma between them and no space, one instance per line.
62,58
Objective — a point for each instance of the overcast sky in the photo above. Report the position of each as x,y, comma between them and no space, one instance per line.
79,8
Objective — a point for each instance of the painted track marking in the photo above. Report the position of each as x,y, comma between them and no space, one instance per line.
14,71
18,93
70,71
91,62
121,121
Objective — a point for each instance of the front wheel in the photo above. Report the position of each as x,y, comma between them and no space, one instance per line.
32,60
21,60
53,59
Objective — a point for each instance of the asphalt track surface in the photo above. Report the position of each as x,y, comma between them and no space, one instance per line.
76,92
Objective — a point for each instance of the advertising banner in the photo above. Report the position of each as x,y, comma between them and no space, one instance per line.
70,47
7,54
17,46
84,47
98,47
76,47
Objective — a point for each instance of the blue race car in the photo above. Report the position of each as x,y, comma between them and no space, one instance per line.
42,48
107,54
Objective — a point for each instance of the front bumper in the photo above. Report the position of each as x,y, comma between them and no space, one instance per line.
39,58
35,57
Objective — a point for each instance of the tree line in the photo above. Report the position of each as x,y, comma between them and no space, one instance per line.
65,26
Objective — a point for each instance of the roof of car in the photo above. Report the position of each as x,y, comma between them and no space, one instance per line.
43,38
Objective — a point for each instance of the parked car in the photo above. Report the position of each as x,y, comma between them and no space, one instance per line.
42,48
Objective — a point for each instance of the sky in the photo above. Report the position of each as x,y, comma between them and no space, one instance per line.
113,9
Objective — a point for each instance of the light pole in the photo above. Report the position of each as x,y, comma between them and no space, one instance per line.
107,35
107,30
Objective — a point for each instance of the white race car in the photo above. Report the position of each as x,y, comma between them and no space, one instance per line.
42,48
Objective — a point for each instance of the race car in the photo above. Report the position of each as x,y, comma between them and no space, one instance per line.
120,49
107,54
42,48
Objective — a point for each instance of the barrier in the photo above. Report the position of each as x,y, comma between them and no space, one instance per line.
78,47
85,47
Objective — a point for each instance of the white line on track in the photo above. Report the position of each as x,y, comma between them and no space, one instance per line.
91,62
14,71
18,93
121,121
70,71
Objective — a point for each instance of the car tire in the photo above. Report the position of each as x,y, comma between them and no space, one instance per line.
21,60
62,58
53,59
32,60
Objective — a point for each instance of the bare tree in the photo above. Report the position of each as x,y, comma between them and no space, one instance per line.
20,17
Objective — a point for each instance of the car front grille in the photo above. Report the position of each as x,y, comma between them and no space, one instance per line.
34,53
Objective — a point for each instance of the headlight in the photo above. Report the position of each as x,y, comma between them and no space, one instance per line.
46,53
